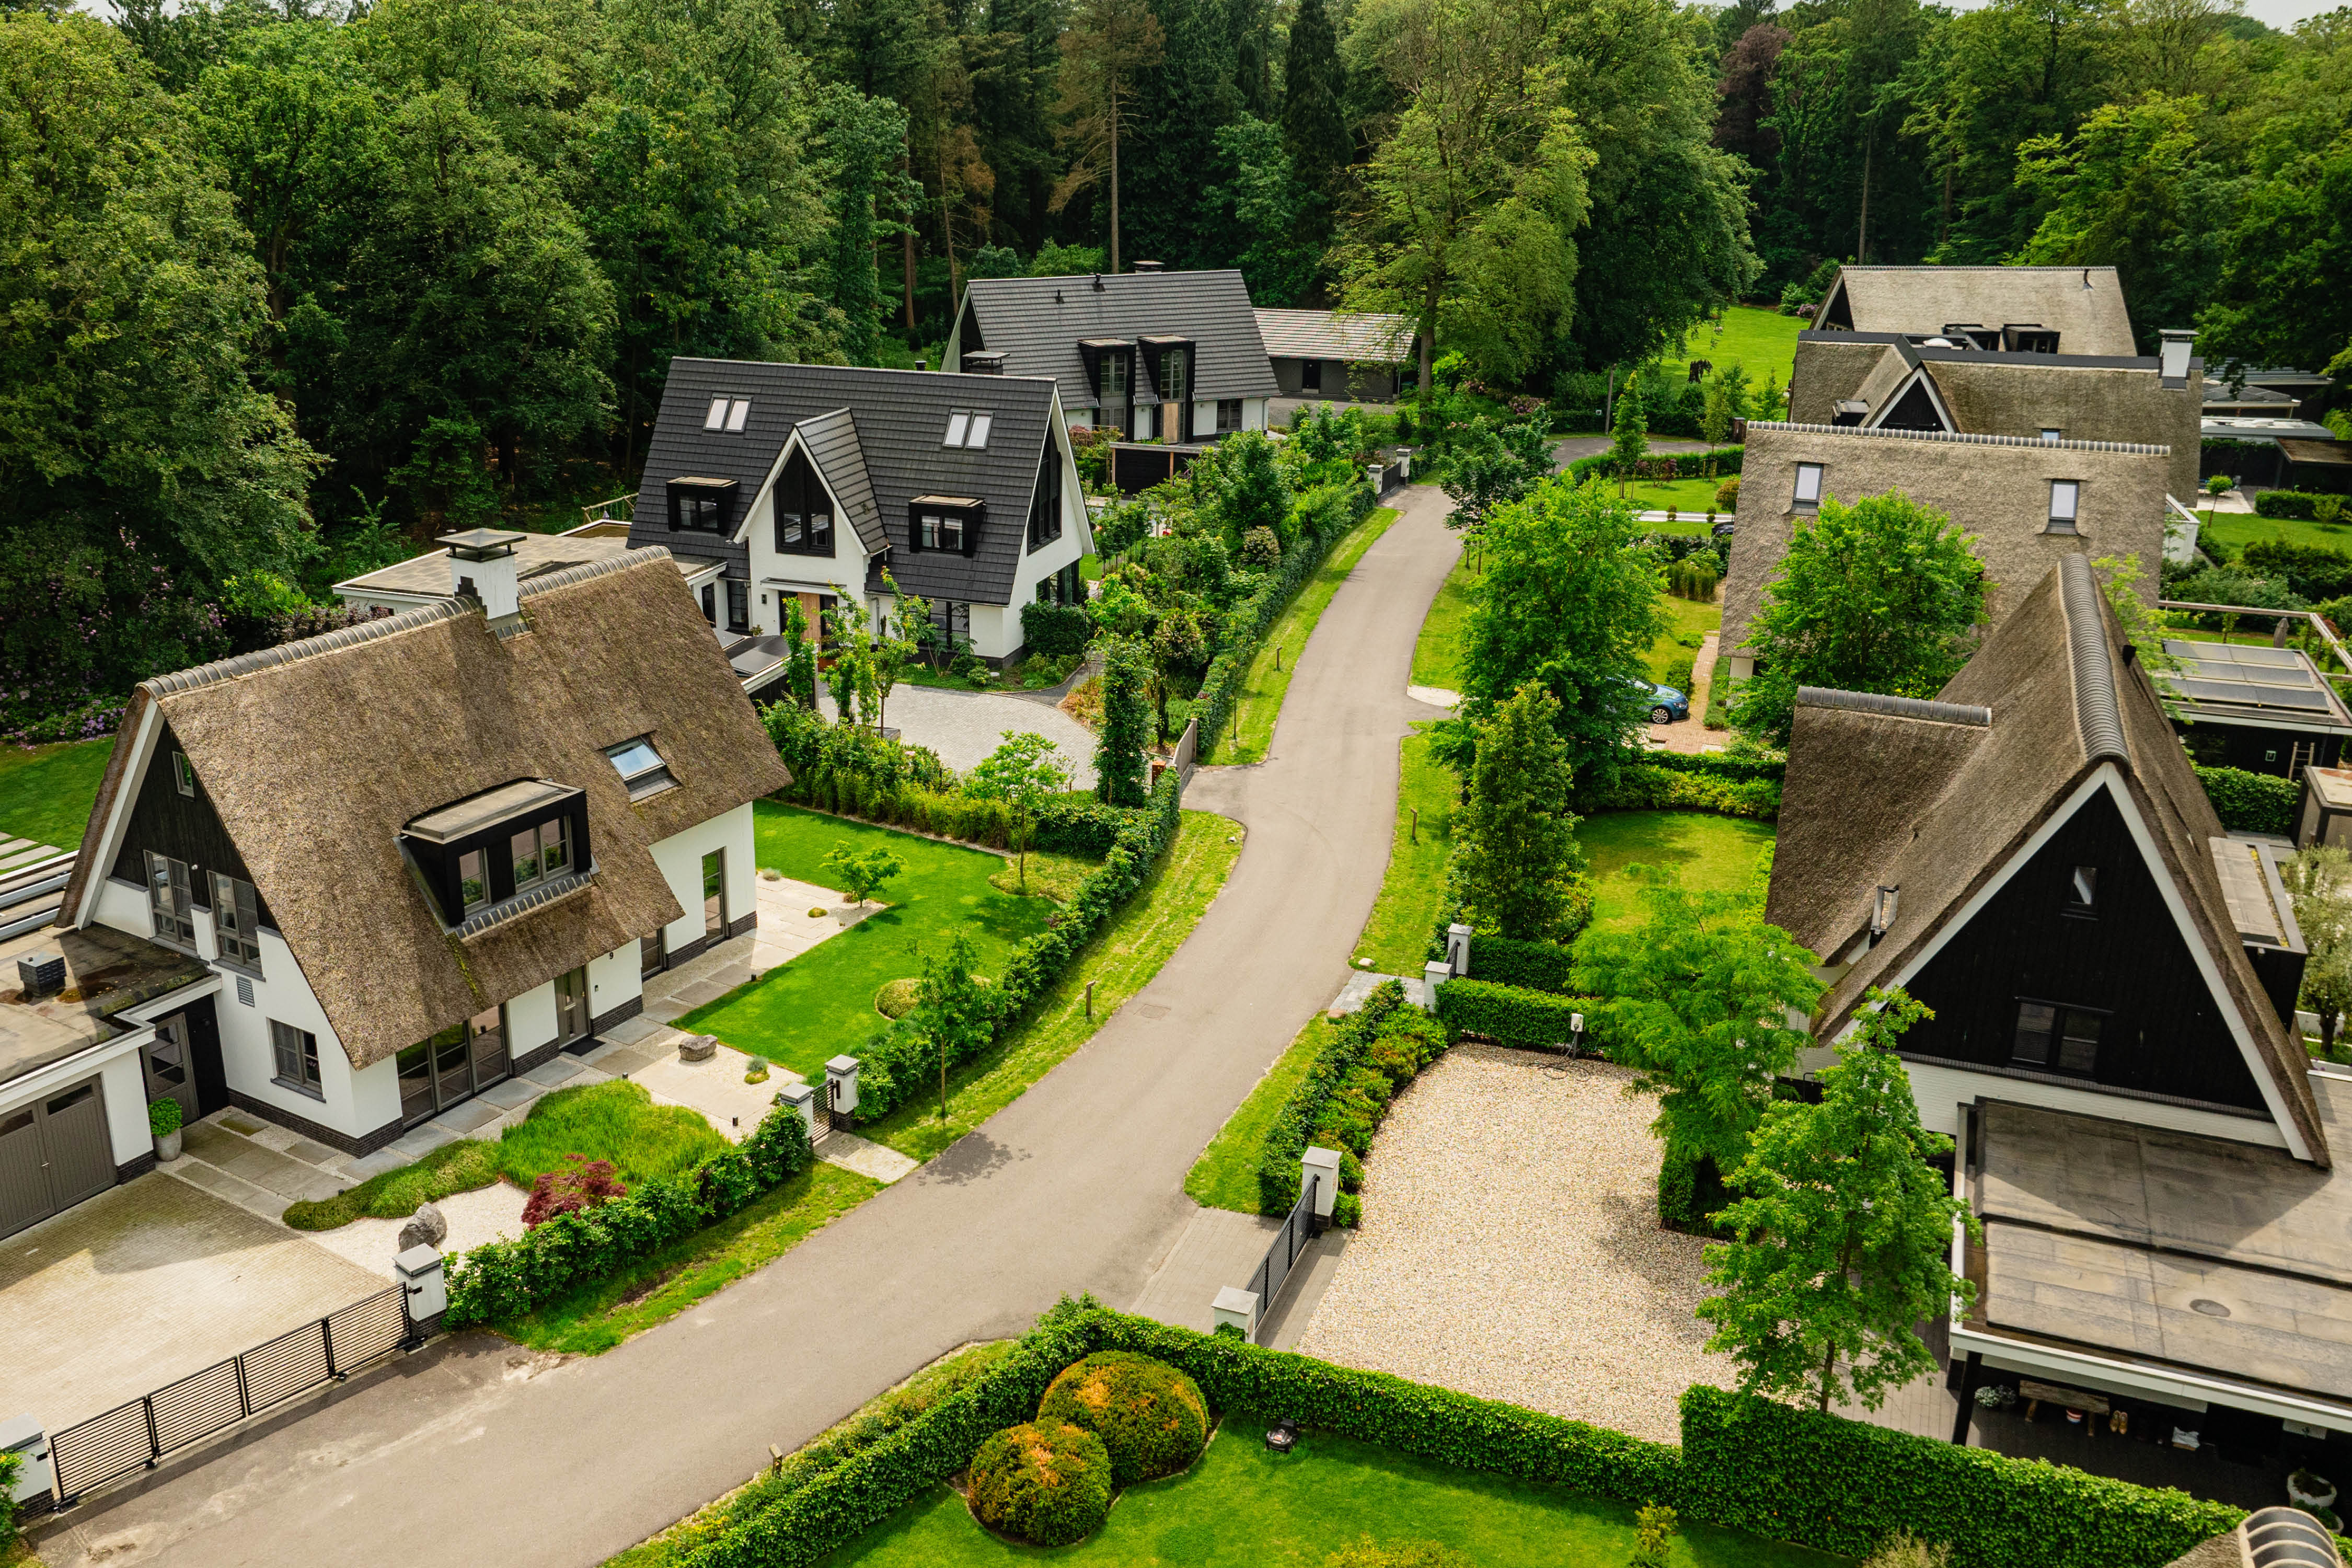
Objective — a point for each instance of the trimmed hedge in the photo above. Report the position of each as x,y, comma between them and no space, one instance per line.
1716,764
505,1280
2252,802
1375,1052
2310,571
2302,505
1055,631
1844,1486
1046,1482
1149,1416
1642,787
1511,1014
1680,465
1506,961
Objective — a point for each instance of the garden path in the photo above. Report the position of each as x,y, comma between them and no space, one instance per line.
478,1451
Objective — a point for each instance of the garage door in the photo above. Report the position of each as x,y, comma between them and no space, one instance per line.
53,1154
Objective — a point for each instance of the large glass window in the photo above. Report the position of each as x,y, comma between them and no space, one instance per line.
297,1053
540,854
1229,415
739,604
453,1064
1175,382
1114,376
170,902
236,921
2057,1038
803,511
474,878
940,531
714,888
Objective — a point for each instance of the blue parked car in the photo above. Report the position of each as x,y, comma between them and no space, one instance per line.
1667,705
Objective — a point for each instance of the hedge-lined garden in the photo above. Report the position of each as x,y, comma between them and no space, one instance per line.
1745,1464
2252,802
1365,1059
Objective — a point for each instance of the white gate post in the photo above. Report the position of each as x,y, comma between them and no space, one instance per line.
800,1098
1457,950
841,1084
1322,1167
1238,1307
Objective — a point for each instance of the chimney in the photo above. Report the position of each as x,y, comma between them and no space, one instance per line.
1147,267
2177,341
922,364
985,362
482,566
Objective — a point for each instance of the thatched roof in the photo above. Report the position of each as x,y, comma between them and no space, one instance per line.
315,754
1996,487
2084,305
1911,797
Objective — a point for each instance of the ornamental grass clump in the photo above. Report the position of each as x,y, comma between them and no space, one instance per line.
1044,1482
1149,1416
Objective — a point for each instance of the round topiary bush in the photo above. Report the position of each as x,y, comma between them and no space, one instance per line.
897,999
1046,1482
1148,1414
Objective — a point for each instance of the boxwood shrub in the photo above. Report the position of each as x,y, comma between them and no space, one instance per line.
1055,631
1511,1014
1046,1483
1149,1416
2252,802
2302,505
1844,1486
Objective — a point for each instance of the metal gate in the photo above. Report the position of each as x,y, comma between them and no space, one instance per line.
136,1434
53,1154
1298,1231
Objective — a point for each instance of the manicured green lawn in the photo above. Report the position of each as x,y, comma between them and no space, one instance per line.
1265,684
1710,851
2239,529
1437,655
1243,1505
1396,939
1690,618
45,791
1763,340
1121,961
1225,1175
1692,497
822,1004
658,1288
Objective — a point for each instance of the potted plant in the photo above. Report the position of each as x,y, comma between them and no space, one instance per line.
2307,1490
163,1122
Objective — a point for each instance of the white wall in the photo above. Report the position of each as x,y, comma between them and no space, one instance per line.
680,858
530,1019
844,570
356,1100
613,981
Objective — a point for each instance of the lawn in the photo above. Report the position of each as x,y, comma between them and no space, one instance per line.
1692,497
1120,961
2239,529
821,1003
1242,1504
1710,851
1763,340
45,791
1690,619
1268,678
1437,655
1225,1175
615,1120
1396,939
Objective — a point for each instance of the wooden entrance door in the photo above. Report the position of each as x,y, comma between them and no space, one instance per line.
171,1067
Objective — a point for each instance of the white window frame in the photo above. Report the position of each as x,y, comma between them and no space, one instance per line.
295,1058
1810,477
2065,506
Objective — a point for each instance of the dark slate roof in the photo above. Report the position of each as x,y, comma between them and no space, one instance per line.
899,416
832,446
1036,323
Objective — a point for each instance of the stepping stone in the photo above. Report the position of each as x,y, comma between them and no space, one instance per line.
364,1166
243,1124
420,1142
513,1094
316,1154
551,1073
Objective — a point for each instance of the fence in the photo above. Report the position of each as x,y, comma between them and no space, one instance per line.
1297,1233
134,1436
1188,750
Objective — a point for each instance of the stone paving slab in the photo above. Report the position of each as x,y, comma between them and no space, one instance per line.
145,1284
512,1094
470,1116
1217,1249
315,1154
629,1031
554,1074
419,1141
851,1152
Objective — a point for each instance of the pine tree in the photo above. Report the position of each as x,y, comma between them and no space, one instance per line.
1314,127
865,136
1516,867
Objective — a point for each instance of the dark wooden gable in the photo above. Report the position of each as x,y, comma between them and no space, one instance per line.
1915,410
2163,1032
185,827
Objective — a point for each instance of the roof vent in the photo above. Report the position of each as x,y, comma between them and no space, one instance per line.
41,974
482,566
985,362
1098,283
1147,267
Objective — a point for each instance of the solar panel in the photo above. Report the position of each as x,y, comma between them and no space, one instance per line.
2250,694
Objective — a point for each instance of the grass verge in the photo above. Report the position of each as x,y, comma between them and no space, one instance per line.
1714,853
1243,1504
1437,652
46,792
1225,1175
1396,939
1121,961
1054,877
1686,618
821,1003
1765,342
662,1286
1265,685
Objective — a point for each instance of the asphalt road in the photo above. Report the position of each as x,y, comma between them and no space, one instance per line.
477,1452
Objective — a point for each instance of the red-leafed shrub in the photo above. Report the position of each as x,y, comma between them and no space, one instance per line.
577,1184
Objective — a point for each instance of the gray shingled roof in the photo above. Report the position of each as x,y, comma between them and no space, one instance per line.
1036,322
832,446
900,419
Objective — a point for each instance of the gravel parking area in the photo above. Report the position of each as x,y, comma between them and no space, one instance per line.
1510,1247
963,726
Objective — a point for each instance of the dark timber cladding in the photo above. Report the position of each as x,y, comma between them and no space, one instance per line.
899,420
2160,1030
183,827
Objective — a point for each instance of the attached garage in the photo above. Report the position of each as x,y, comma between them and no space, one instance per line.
54,1152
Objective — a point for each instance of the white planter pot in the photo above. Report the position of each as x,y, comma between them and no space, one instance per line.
167,1147
2322,1496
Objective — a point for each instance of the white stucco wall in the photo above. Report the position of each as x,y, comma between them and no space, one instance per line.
776,574
680,858
613,981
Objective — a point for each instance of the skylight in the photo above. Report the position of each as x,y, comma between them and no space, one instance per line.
968,427
640,766
727,413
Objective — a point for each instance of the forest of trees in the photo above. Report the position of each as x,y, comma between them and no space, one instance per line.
287,286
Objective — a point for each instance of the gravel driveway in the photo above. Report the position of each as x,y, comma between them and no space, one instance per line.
963,726
1511,1249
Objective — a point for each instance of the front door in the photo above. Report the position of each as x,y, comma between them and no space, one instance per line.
572,1006
170,1061
714,887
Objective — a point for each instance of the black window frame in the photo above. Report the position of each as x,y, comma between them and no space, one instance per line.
1228,406
968,517
2064,1030
183,773
2078,906
442,862
1045,507
1310,375
294,1059
801,500
738,603
173,917
701,506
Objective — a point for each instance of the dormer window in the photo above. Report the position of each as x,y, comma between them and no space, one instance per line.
540,854
727,413
2065,503
968,427
944,522
698,505
1114,377
2083,891
641,767
478,853
1808,486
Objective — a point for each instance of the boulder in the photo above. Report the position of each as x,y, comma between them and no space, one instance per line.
426,1227
698,1047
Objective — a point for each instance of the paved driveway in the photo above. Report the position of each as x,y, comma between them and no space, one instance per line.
145,1284
477,1452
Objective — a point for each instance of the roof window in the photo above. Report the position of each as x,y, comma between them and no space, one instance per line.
1809,484
727,413
968,427
640,766
2066,501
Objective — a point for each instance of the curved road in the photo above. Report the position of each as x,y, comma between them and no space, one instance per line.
477,1452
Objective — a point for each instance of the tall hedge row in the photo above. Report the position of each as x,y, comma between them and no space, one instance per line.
2302,505
1642,787
1506,961
505,1280
2252,802
1844,1486
1510,1014
1725,462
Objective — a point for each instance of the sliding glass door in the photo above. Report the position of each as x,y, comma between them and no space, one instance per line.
456,1064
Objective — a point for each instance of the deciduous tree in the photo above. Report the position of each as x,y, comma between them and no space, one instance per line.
1125,727
1024,772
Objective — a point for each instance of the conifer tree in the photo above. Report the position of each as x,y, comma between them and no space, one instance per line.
1516,870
